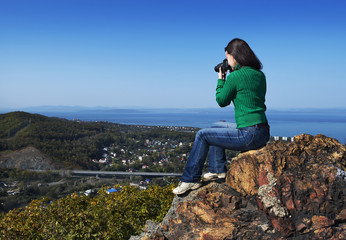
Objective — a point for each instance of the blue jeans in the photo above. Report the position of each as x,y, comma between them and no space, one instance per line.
221,136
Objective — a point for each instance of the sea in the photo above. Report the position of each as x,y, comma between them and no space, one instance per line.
283,123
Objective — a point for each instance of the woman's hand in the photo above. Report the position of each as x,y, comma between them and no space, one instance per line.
220,75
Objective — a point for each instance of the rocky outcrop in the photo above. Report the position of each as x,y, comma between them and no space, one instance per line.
28,158
283,191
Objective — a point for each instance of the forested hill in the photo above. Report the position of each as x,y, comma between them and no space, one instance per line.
71,144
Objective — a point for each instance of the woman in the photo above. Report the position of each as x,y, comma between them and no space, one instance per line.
245,86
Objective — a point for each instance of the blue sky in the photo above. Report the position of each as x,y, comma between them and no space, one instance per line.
161,54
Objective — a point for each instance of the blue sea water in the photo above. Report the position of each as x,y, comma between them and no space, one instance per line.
331,123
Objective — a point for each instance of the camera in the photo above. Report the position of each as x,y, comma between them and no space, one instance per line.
224,67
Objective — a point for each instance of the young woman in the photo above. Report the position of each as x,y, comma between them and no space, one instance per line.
245,86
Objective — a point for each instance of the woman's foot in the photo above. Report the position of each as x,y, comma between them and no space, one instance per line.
212,176
185,186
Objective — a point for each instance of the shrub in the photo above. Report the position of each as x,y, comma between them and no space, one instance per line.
106,216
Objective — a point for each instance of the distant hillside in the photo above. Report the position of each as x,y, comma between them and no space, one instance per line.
70,144
74,144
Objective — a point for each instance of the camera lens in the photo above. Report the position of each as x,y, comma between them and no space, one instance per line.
217,67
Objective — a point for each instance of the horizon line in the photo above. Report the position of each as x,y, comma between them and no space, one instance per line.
62,108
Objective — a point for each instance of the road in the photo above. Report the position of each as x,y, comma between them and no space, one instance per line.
111,173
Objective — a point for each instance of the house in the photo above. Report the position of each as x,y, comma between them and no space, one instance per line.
87,192
103,160
13,192
111,190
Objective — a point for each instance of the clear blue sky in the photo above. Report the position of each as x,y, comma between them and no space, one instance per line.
162,53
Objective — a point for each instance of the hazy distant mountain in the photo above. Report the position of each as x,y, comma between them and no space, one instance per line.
124,110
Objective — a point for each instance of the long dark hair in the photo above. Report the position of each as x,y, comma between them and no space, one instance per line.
243,54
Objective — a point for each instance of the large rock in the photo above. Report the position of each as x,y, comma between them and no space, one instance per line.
285,190
300,186
27,158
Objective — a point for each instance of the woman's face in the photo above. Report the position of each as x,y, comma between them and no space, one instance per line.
231,61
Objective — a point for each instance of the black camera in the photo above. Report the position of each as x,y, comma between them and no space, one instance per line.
224,67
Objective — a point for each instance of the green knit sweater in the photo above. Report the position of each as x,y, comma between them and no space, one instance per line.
246,87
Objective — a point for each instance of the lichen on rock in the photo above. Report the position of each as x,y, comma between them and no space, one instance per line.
270,202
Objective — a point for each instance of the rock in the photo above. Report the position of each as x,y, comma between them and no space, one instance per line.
284,190
214,211
304,179
27,158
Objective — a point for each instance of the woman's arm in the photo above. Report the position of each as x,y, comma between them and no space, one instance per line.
225,91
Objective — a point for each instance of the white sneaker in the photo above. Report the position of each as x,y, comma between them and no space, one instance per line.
211,176
185,186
